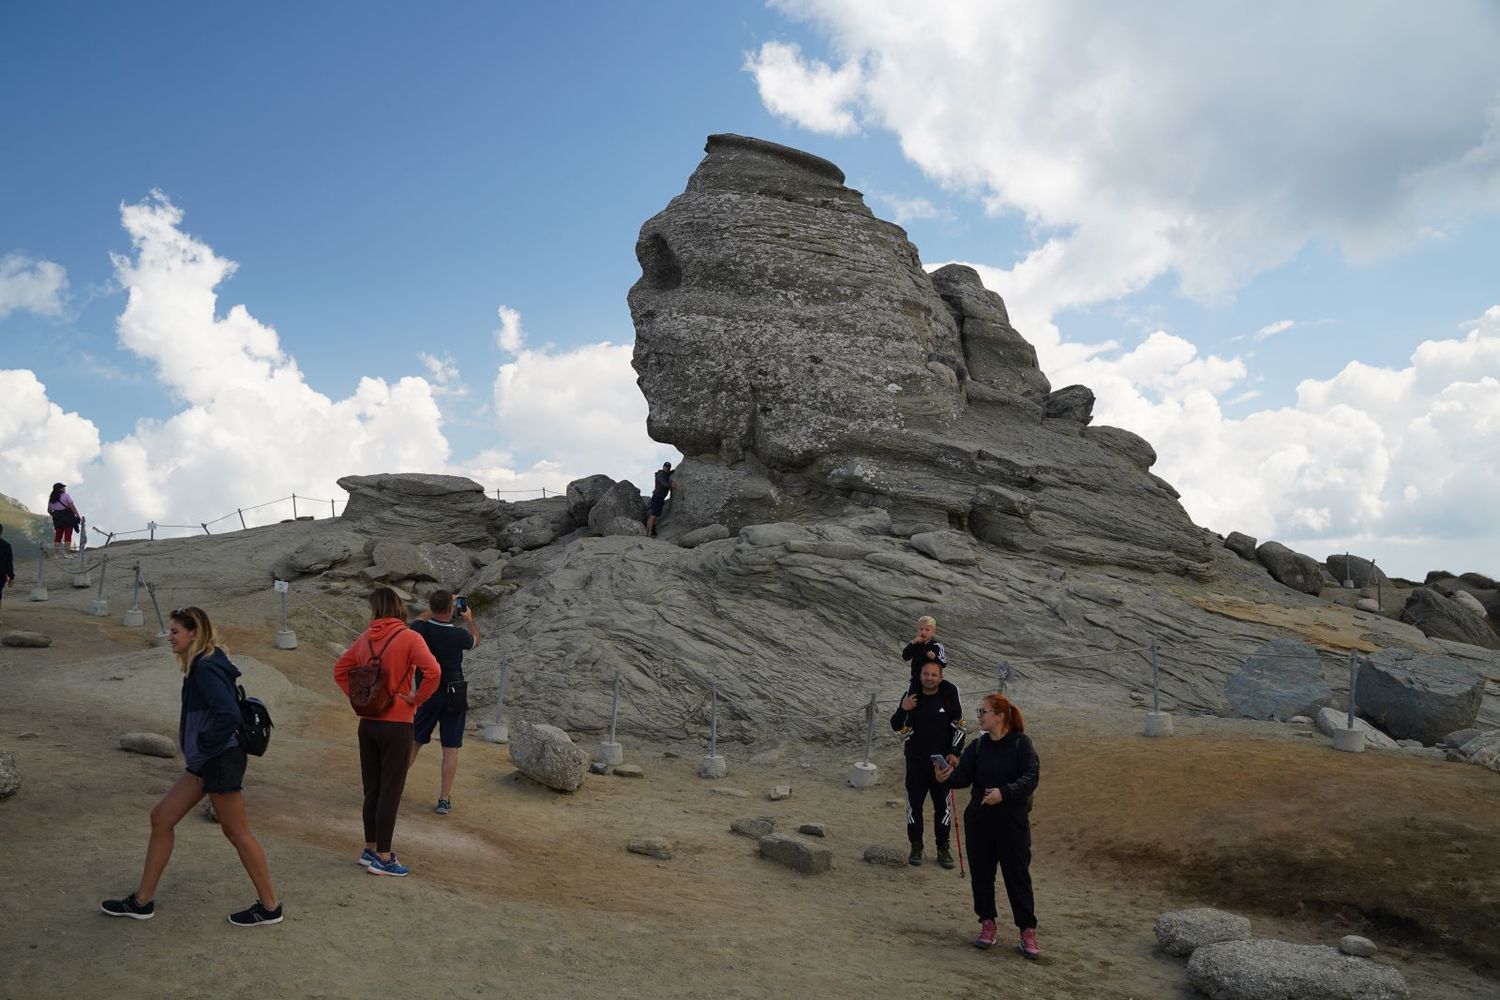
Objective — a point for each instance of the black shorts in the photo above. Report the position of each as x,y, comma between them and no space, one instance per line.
223,774
657,503
433,714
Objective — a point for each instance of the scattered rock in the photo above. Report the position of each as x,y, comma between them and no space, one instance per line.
26,640
599,767
895,803
485,557
1445,618
880,854
1359,947
730,793
530,532
1330,719
622,526
545,754
1184,931
1416,695
629,771
946,547
152,744
1483,750
1275,970
1241,544
703,535
1368,605
1459,737
10,775
780,792
1294,569
797,853
1281,679
753,826
652,847
1300,720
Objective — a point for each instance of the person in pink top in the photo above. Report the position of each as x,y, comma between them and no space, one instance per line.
385,739
65,517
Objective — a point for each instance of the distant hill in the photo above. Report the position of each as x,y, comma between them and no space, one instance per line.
23,529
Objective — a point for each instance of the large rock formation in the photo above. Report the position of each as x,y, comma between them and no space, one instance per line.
1418,697
790,344
420,508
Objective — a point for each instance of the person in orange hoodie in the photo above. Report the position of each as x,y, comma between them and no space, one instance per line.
385,738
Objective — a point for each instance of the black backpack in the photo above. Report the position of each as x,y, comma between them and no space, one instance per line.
255,724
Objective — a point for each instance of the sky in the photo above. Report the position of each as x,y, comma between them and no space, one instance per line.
247,249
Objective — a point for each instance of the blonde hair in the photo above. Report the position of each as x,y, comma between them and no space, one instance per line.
929,621
195,620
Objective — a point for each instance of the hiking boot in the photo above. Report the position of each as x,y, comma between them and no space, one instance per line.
1028,947
368,857
256,916
944,858
444,807
987,934
915,857
391,867
128,907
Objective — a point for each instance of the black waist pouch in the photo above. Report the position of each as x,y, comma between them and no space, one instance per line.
455,697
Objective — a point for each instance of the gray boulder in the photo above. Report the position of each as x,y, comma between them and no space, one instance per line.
651,847
1294,569
1241,544
1184,931
444,564
1281,679
753,826
946,547
10,776
1071,402
993,352
881,854
1445,618
1417,696
1331,719
450,564
583,494
1361,571
620,501
314,555
797,853
529,532
1359,947
1278,970
813,829
1483,750
627,526
152,744
418,507
26,640
1459,737
547,755
699,536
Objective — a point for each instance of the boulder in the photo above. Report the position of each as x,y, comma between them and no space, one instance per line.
485,557
946,547
707,533
1359,947
444,564
1184,931
1459,737
26,640
1331,719
1368,605
1417,696
797,853
1294,569
1265,969
10,776
547,755
1071,402
1281,679
1241,544
813,830
529,533
153,744
779,792
583,493
1444,618
620,501
753,826
627,526
880,854
314,555
1467,600
652,847
1483,750
417,507
1363,572
450,564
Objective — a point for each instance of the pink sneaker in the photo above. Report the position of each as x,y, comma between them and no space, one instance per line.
986,934
1028,947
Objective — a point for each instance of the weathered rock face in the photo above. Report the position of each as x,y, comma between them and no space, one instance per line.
582,495
1241,544
1185,931
420,508
1414,696
1281,679
312,556
621,502
1273,970
545,754
790,344
1446,618
1294,569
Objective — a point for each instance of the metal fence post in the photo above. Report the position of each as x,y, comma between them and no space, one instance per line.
39,592
1158,723
331,511
1155,680
610,752
285,637
242,518
134,617
1353,677
870,727
1348,572
713,765
1002,675
498,731
160,621
864,773
294,506
1379,590
99,607
1349,739
151,527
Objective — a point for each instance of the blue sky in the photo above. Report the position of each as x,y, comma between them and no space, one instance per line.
387,176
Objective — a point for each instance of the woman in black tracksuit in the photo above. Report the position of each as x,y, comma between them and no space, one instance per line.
1003,770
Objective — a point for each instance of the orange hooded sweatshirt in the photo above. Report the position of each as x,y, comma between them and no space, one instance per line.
402,653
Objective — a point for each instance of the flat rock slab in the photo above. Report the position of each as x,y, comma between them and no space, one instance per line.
880,854
779,792
1184,931
153,744
946,547
1330,719
753,826
797,853
26,640
10,777
652,847
1276,970
629,771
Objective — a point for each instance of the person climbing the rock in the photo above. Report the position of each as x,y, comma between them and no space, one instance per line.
659,493
925,649
446,710
207,732
1002,768
926,715
65,519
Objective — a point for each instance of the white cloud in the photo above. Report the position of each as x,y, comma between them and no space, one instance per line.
443,375
509,335
1272,329
39,443
31,284
807,92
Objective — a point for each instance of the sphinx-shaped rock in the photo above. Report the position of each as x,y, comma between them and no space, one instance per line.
791,345
416,507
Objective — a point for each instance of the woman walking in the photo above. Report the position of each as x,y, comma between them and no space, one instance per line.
65,518
206,731
1002,769
385,701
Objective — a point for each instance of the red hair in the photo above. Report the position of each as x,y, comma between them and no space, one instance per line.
1000,705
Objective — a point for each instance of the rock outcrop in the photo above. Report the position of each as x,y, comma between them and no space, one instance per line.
420,508
1280,680
1298,571
1354,569
1413,696
1446,618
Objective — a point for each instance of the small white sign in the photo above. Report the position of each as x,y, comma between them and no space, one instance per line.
282,587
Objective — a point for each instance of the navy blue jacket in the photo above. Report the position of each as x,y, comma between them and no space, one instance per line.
210,709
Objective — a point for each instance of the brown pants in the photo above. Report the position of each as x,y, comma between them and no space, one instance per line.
384,754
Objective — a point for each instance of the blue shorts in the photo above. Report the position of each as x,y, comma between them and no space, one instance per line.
657,504
430,715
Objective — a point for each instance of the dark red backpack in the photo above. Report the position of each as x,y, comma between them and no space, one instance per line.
369,694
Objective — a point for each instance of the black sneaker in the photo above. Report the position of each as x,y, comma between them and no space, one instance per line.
128,907
256,916
915,857
943,857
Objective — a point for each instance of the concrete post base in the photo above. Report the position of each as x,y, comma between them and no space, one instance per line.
82,580
160,639
38,593
286,639
863,774
1349,740
713,767
496,732
1158,724
98,607
134,618
610,754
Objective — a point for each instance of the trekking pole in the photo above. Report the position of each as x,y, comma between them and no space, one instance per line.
958,830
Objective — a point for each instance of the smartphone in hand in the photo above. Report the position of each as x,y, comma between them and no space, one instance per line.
939,760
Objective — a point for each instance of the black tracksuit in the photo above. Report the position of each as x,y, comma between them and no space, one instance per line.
931,723
1000,835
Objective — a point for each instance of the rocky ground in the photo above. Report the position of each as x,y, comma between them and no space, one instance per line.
529,891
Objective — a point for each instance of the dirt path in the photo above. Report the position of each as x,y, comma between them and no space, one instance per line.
526,892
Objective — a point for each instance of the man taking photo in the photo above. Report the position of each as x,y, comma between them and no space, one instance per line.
447,710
